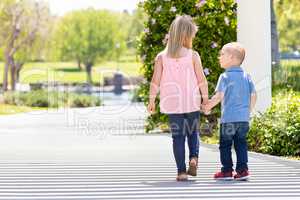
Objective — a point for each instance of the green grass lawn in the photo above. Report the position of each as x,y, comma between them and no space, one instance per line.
68,72
287,77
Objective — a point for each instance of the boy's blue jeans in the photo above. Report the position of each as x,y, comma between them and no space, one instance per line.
185,125
234,132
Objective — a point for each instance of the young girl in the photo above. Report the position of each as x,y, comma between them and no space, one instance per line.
178,75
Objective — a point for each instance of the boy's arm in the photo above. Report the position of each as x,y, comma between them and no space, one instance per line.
253,97
219,95
202,82
217,98
253,101
155,82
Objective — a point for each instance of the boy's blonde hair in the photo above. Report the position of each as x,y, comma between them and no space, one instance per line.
182,31
236,50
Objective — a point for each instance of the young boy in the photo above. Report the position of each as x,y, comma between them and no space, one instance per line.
238,96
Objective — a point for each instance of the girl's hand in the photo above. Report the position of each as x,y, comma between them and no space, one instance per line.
204,101
151,107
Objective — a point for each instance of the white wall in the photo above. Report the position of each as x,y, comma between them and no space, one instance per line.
254,32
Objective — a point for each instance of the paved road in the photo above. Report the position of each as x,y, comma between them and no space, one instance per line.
103,153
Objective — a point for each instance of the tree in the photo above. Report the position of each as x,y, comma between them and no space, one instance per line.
274,38
136,27
21,21
87,36
217,26
67,39
288,20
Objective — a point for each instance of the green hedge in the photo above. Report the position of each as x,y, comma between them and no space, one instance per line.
76,100
217,24
41,98
277,131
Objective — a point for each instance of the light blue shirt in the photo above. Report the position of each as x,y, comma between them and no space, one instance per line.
237,87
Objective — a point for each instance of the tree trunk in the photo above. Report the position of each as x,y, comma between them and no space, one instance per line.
5,74
12,74
274,36
79,64
18,70
88,68
15,72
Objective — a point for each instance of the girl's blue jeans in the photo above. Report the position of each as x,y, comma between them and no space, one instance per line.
185,125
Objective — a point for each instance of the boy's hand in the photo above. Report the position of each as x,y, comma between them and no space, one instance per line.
151,107
206,109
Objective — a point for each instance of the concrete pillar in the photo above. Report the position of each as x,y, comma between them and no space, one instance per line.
254,32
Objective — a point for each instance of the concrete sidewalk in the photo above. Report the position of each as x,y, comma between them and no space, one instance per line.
103,153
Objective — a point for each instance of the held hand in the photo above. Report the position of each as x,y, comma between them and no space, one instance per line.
204,101
205,108
151,107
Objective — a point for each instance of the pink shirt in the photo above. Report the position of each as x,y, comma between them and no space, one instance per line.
179,90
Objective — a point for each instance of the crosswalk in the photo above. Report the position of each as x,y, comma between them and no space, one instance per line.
108,156
142,180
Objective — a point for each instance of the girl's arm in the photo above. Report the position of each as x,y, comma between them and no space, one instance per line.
155,82
202,82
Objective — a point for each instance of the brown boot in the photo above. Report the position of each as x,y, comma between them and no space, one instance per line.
193,165
182,177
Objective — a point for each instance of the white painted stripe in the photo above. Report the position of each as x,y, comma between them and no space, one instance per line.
50,162
146,198
128,189
139,183
131,173
127,167
148,169
142,176
121,163
167,179
222,194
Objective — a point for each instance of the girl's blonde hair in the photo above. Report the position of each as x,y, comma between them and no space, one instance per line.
182,31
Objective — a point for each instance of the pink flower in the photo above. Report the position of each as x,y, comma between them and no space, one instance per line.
200,3
158,9
146,30
153,21
143,58
214,45
173,9
226,20
206,71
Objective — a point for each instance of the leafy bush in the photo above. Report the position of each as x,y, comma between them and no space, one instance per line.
10,98
41,98
277,131
37,99
217,24
83,101
136,97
